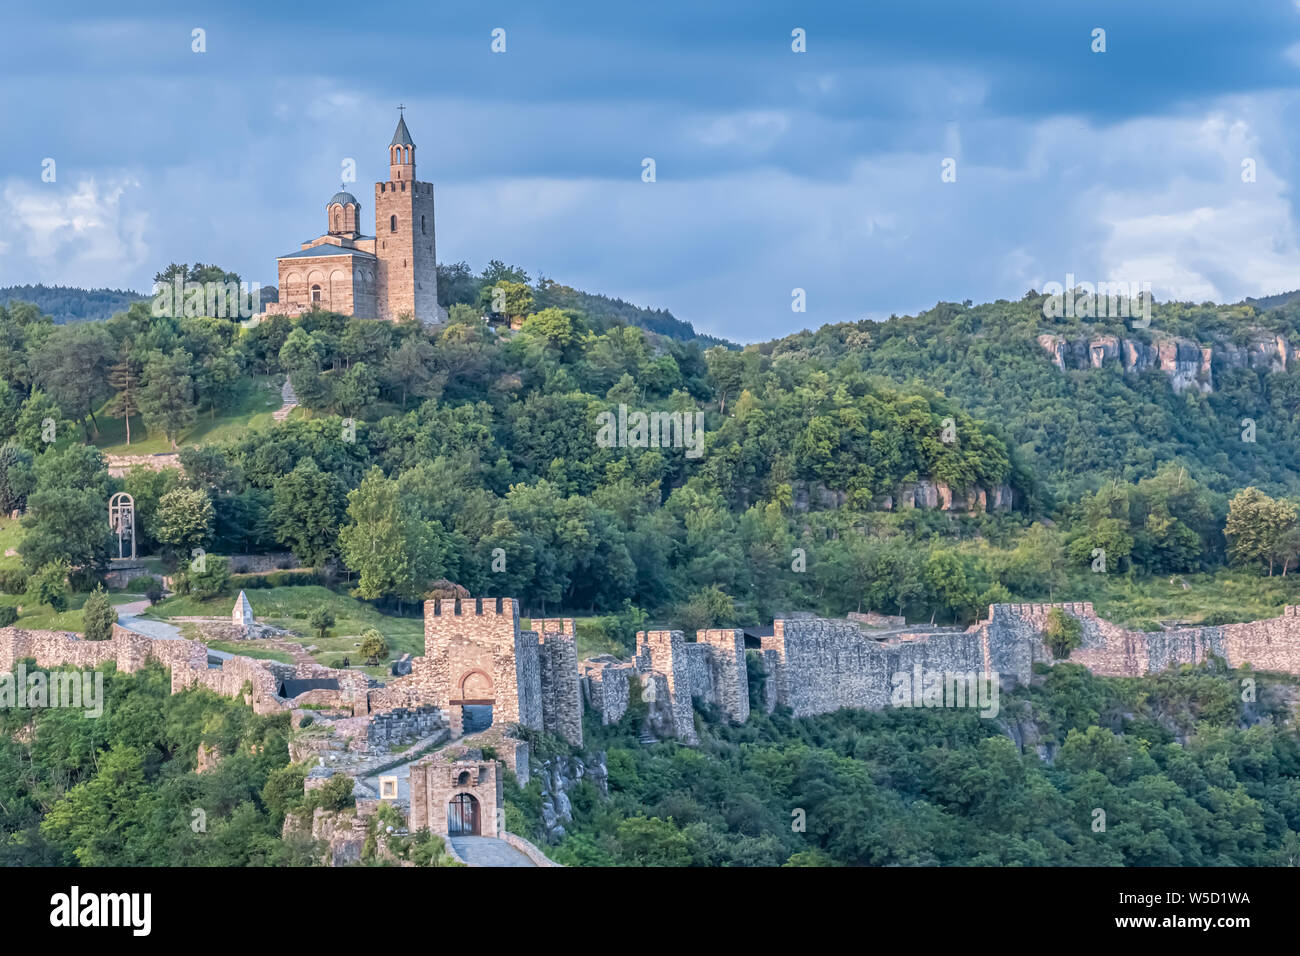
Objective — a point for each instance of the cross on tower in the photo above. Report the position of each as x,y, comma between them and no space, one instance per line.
400,107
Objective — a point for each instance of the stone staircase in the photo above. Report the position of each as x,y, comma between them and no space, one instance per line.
290,402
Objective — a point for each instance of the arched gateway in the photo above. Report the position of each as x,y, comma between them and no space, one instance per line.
456,794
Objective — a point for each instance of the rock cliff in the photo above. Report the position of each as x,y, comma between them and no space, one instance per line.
1186,363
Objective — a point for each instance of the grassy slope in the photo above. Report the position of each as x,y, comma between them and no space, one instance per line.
289,607
1223,597
11,533
40,617
251,408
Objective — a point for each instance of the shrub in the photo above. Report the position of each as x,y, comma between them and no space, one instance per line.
213,579
1062,633
148,585
8,615
373,646
13,581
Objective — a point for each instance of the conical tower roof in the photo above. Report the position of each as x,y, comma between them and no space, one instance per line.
402,136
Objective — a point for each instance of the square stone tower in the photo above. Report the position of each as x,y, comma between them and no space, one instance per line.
407,280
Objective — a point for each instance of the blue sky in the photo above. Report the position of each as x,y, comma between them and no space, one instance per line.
775,170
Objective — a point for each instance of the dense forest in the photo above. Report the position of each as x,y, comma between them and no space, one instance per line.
1172,770
70,304
478,438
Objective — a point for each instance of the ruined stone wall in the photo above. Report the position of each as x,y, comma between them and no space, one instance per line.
561,697
699,667
728,675
814,665
1013,634
605,687
663,653
402,726
526,668
128,650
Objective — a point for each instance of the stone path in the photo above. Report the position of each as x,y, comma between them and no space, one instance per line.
402,771
488,851
127,616
290,402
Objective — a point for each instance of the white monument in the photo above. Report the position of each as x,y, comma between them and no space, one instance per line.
242,616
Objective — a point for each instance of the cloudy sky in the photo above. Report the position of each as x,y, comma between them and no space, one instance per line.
775,169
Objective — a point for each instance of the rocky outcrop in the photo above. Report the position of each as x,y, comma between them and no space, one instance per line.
1186,363
937,494
558,776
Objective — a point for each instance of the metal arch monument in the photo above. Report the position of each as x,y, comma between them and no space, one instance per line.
121,518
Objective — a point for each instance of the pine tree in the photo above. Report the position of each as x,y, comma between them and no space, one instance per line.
124,379
98,616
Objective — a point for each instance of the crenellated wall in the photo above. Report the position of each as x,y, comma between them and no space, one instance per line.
814,665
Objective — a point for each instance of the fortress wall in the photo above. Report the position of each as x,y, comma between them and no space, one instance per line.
1265,645
605,686
828,665
525,671
128,650
53,648
728,675
699,668
776,689
665,653
561,697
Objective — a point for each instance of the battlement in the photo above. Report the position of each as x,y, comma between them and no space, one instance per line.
501,607
1076,608
476,655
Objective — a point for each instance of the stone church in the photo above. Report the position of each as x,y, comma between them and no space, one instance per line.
389,275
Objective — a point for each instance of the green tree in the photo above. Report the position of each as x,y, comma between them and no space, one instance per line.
395,552
1255,524
167,394
124,380
321,620
373,646
67,510
49,585
184,519
1062,633
306,512
98,616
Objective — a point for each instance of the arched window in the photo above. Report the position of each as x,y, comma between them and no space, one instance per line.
392,224
338,221
315,293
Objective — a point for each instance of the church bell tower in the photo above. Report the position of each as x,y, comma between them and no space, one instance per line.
404,237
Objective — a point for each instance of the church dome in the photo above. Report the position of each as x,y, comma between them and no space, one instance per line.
344,199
